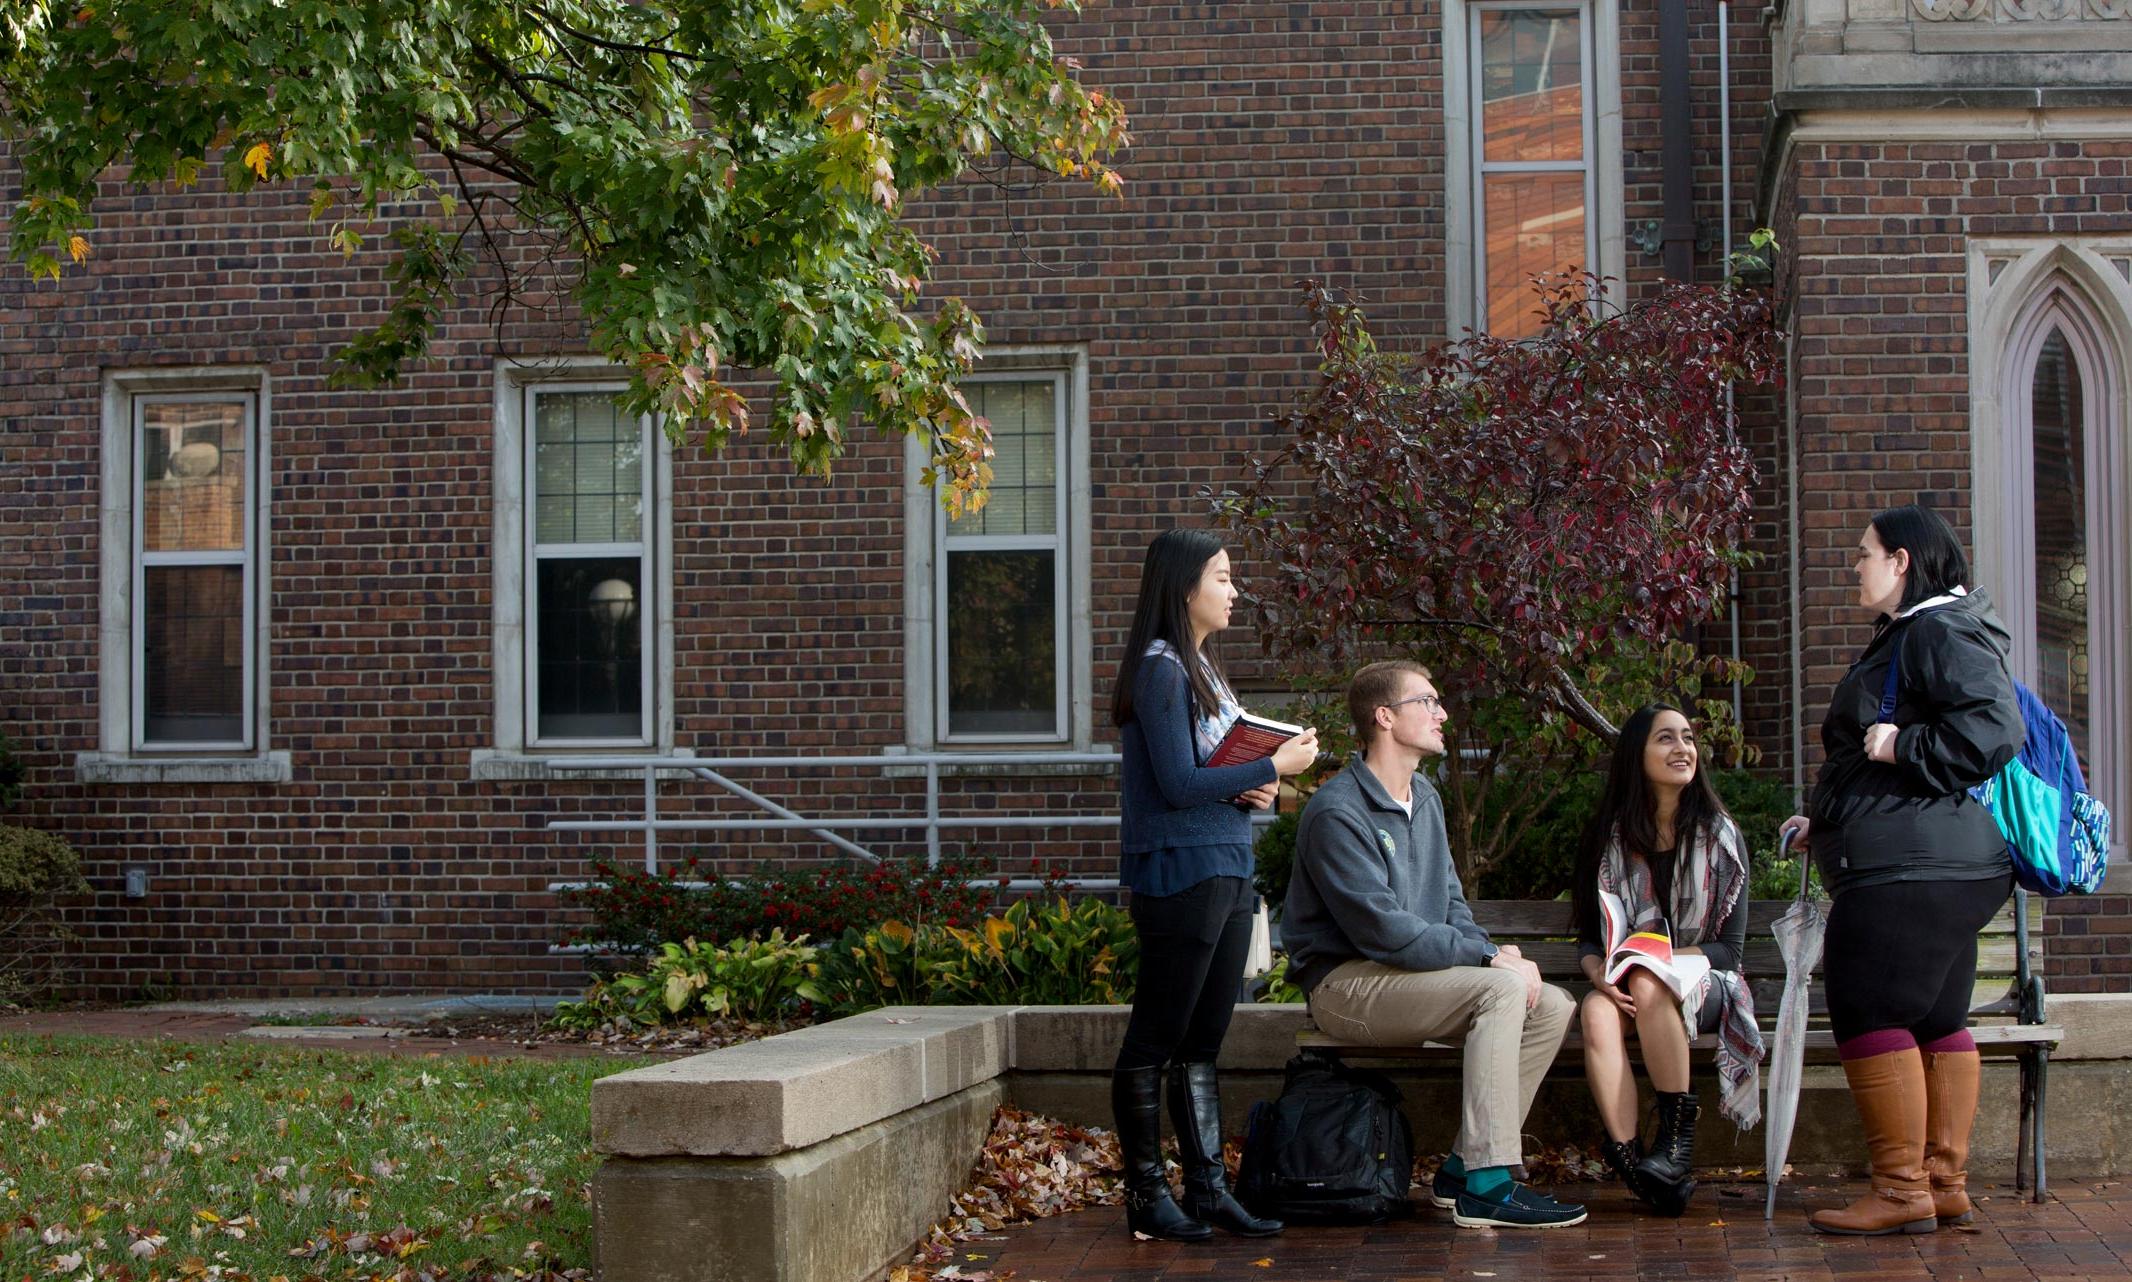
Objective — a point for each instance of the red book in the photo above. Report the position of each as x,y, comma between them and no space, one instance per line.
1251,738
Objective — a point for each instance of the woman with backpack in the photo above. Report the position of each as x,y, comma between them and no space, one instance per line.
1663,857
1915,865
1186,842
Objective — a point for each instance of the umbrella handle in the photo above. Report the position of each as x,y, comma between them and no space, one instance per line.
1785,837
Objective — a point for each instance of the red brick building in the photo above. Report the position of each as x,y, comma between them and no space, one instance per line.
301,659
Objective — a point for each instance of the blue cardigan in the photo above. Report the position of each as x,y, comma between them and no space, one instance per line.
1179,826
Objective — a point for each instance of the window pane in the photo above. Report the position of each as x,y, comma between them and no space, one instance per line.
2061,538
1535,224
1024,496
192,476
1003,660
1532,92
591,660
192,635
588,479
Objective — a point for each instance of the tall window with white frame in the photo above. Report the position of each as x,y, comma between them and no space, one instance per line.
1001,648
193,570
1533,180
588,561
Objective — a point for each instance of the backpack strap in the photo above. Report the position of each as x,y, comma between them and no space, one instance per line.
1893,683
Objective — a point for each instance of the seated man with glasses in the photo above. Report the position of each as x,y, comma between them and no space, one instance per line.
1380,939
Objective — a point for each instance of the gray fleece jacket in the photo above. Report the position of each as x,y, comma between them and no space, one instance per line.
1372,882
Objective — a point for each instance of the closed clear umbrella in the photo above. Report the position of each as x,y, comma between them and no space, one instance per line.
1798,934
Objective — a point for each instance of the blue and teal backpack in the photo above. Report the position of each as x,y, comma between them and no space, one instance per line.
2057,835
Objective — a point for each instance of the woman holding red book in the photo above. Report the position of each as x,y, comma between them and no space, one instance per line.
1186,856
1663,858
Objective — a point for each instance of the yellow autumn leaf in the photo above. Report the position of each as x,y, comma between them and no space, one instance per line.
998,933
209,1216
77,247
256,159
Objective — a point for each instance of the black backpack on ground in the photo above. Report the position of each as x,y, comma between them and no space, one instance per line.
1333,1149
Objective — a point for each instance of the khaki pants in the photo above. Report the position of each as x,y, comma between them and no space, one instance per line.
1508,1047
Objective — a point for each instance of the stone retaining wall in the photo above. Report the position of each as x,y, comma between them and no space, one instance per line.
822,1155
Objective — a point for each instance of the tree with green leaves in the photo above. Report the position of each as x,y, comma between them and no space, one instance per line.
719,182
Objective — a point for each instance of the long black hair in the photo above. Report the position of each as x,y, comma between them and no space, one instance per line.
1936,560
1168,576
1629,811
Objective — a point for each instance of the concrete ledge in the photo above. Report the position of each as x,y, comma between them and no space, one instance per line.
494,765
799,1088
821,1155
2097,1025
1050,1039
841,1210
112,767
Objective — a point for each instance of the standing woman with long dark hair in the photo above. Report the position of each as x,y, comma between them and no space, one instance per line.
1186,841
1917,867
1663,856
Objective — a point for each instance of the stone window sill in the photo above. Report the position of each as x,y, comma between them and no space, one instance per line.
112,767
494,765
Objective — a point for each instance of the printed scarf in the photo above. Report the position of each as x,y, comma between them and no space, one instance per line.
1707,876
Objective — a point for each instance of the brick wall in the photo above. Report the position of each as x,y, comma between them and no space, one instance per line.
1273,142
1878,235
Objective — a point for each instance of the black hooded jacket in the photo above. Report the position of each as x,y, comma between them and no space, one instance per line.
1914,820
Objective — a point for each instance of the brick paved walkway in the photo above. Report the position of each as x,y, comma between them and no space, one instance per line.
2084,1234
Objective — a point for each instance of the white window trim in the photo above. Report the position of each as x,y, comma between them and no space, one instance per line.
2014,286
242,558
517,755
924,589
119,758
1464,280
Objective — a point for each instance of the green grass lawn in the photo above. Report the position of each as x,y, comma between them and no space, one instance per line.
140,1161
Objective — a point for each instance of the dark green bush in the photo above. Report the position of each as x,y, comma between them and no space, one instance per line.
1274,852
1541,864
38,872
37,866
1046,951
634,912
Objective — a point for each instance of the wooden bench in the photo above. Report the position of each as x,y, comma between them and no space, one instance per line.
2006,1013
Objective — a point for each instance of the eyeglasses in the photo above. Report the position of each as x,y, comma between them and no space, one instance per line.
1428,702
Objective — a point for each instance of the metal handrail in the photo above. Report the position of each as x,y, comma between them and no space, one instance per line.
784,819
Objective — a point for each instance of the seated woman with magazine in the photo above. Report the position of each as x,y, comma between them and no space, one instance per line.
1660,898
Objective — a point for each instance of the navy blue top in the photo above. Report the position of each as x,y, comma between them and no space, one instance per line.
1180,825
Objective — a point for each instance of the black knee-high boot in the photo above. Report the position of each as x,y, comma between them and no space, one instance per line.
1195,1108
1136,1099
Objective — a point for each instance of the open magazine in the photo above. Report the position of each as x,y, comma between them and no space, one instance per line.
1648,949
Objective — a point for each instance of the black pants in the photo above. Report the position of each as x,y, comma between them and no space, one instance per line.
1192,948
1904,955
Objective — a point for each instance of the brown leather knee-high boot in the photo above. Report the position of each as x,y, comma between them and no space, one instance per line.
1950,1112
1890,1093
